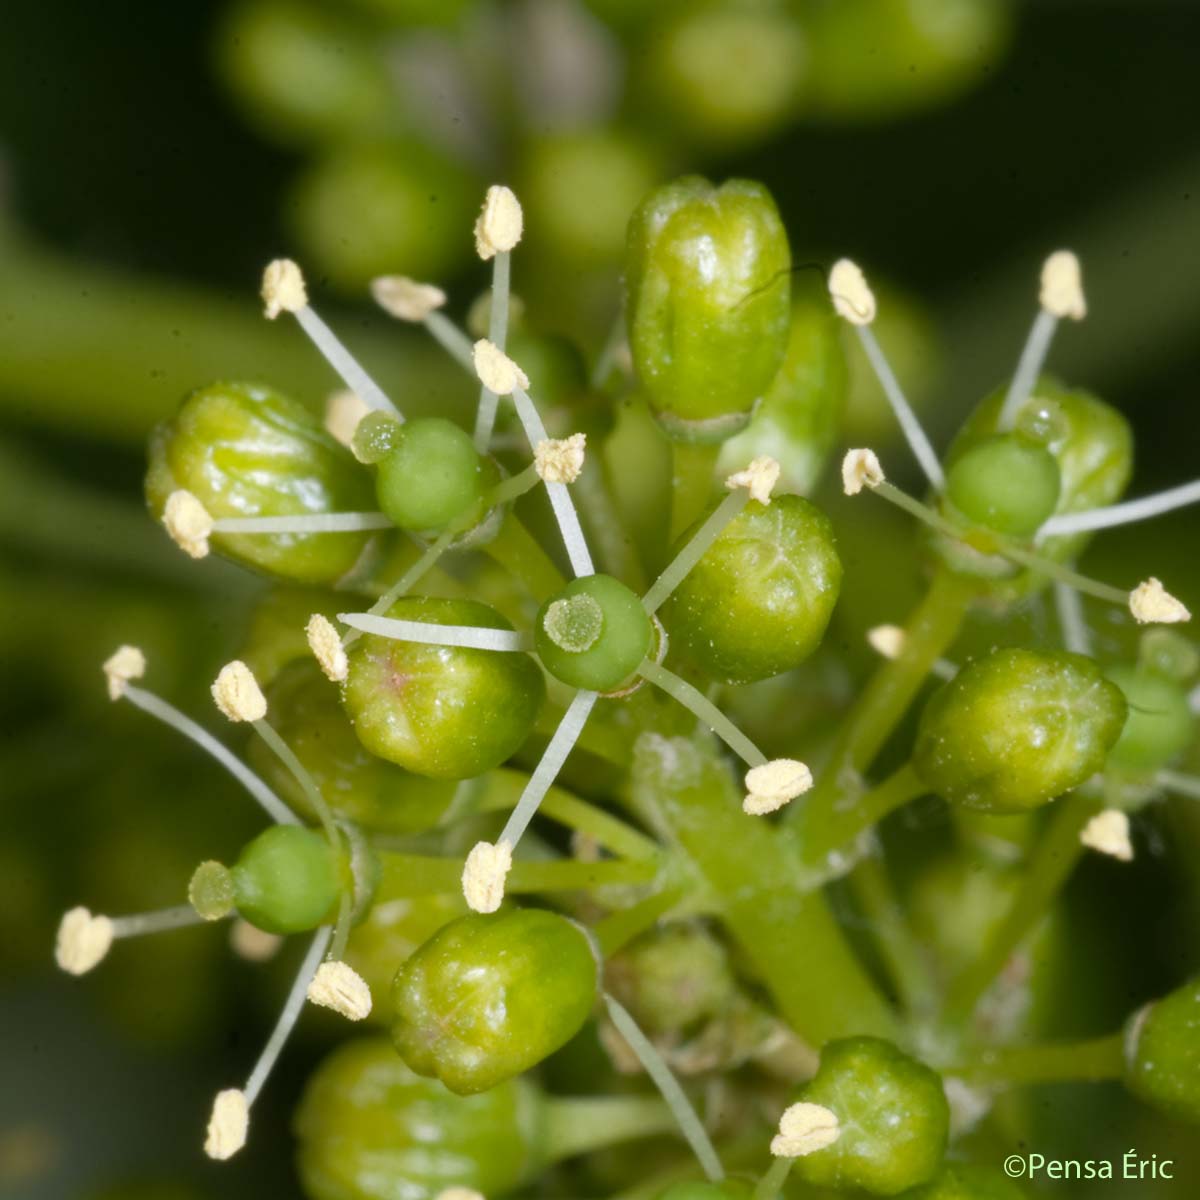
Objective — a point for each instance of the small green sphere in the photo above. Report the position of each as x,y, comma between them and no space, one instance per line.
1162,1053
1006,483
447,712
369,1129
286,880
1160,724
1016,728
431,475
594,634
489,996
892,1113
760,599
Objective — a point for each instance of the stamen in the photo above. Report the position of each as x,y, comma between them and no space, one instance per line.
230,1118
339,987
406,299
343,411
1177,781
861,468
83,941
1061,296
705,711
1122,514
758,477
236,693
855,302
1069,606
694,550
188,522
500,224
497,232
124,664
326,645
348,522
140,924
560,460
1108,832
1151,603
773,784
170,715
545,773
496,371
430,634
460,1193
560,499
656,1067
805,1128
483,875
299,773
283,290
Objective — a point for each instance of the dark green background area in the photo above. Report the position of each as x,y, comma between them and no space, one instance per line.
118,149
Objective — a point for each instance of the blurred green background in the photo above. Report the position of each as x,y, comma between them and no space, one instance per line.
154,156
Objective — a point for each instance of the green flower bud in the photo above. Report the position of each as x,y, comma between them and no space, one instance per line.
1160,724
286,880
994,738
1005,482
367,208
490,996
800,417
1016,728
879,58
759,600
447,712
301,73
593,634
1093,447
430,475
244,450
672,978
726,74
707,276
393,929
356,784
369,1129
1162,1053
964,1182
892,1115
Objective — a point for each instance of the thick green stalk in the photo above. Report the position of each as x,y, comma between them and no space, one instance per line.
421,875
579,1125
691,483
1056,1062
515,549
1053,860
902,954
884,701
754,878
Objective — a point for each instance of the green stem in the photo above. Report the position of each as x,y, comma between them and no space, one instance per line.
613,545
771,1184
902,954
504,787
406,875
789,934
1090,1060
1054,857
619,928
515,549
579,1125
692,468
887,696
846,824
